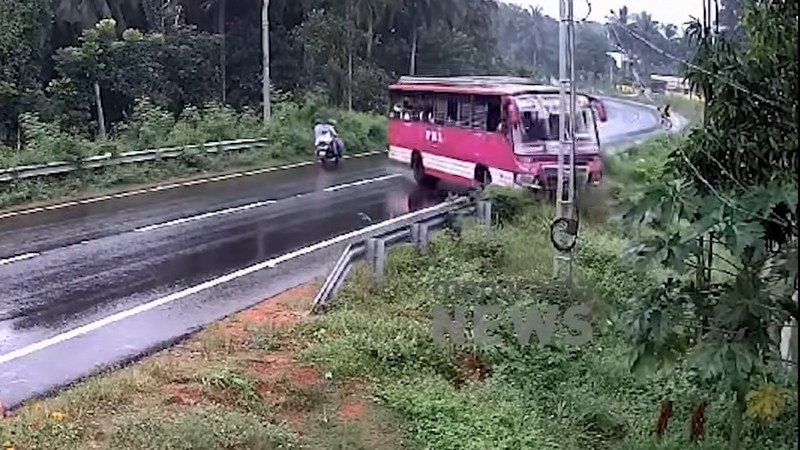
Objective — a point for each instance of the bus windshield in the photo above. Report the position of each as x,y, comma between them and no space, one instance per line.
536,129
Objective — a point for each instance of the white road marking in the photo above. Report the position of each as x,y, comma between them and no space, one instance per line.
98,324
18,258
173,186
249,206
360,183
220,212
206,215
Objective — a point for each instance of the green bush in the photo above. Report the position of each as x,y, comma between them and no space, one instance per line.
508,204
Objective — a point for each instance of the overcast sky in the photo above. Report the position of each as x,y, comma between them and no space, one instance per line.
670,11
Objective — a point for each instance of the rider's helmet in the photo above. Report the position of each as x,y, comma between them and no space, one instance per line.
318,122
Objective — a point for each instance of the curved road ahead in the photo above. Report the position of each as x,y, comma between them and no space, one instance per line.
102,281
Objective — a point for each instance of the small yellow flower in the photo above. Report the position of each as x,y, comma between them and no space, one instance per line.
767,402
57,416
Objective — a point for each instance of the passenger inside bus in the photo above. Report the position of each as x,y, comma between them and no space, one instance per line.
581,127
494,120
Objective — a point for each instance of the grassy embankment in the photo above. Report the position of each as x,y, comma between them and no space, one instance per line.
368,375
289,135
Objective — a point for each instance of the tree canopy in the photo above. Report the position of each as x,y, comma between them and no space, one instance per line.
53,53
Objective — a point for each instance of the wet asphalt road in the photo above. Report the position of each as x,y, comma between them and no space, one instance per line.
72,267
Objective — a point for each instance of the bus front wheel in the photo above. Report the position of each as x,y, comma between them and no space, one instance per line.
483,178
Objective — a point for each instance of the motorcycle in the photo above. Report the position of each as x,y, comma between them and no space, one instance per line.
326,153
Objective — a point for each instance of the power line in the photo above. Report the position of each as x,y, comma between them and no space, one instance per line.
726,200
630,57
696,67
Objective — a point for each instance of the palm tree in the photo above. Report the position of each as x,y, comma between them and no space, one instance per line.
536,36
368,13
426,12
621,16
221,6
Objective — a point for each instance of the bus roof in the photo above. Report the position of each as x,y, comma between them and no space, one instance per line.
474,85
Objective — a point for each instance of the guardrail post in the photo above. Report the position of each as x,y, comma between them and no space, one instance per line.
424,236
370,247
380,261
485,213
420,235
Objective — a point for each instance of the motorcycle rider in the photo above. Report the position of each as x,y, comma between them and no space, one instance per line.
324,132
337,141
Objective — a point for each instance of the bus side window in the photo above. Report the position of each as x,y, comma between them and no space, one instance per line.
452,110
465,115
440,109
493,115
479,113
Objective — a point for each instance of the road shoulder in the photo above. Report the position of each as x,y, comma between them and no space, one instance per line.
239,383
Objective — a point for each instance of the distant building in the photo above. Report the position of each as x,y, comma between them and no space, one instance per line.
619,58
673,83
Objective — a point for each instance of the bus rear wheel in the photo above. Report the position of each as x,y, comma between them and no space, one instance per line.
422,179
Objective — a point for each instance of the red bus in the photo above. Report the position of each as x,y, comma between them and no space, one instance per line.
487,130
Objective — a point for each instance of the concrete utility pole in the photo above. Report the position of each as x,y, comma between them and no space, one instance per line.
265,56
565,190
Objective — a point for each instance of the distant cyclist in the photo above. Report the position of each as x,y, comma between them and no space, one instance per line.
665,116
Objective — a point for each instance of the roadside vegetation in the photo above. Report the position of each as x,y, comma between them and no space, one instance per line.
288,138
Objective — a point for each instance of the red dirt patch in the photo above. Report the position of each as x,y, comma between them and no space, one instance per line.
186,395
281,367
353,406
279,374
295,419
352,411
283,309
235,331
471,368
280,377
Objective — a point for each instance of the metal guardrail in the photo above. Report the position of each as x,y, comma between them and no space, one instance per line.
416,228
108,159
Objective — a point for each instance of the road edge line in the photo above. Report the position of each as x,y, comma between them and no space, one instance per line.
172,185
